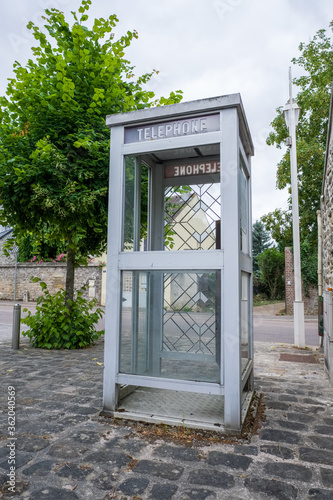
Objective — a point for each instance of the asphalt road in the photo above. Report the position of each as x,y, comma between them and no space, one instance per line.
267,328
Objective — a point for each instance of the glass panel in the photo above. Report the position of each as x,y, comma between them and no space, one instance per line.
133,339
192,214
245,319
136,204
244,212
171,325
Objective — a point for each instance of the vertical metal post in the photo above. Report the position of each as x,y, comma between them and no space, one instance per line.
298,303
16,326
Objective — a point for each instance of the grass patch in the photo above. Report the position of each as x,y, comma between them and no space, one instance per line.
262,301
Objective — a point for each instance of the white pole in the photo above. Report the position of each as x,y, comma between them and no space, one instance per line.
299,334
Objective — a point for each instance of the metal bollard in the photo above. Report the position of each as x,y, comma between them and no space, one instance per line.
16,326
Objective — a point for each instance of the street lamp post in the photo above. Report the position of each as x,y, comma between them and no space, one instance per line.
291,115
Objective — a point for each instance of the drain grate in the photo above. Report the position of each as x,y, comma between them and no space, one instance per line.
298,358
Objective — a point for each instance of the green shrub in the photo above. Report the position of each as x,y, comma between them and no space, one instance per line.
55,326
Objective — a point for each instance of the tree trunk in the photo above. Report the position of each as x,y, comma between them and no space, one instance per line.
70,272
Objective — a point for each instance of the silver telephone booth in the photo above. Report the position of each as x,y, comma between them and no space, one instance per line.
178,338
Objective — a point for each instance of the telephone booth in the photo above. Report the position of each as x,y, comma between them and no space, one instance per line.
178,336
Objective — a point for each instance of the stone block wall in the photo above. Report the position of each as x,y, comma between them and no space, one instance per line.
53,274
327,222
310,300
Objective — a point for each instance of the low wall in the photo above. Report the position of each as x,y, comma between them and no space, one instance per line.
53,274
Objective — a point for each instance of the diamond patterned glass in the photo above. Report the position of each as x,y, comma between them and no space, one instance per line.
191,216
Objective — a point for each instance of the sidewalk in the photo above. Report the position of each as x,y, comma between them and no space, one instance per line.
65,450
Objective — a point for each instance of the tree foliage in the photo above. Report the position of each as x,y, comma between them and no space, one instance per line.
313,97
279,225
260,241
54,155
272,264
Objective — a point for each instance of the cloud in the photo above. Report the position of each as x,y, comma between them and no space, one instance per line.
204,48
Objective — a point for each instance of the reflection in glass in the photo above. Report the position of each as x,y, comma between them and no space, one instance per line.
191,215
136,203
245,319
171,325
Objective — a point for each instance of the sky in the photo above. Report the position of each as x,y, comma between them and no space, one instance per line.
206,48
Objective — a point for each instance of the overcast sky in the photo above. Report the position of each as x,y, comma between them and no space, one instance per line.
205,48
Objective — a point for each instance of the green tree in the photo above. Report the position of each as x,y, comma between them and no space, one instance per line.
54,156
260,241
279,224
313,97
271,266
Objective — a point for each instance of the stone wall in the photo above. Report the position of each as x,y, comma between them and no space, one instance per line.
327,221
53,274
327,246
310,300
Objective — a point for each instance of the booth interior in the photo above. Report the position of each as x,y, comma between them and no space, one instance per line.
178,343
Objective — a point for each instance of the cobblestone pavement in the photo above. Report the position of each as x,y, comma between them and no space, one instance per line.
64,449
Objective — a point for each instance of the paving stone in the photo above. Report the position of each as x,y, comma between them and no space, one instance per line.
316,456
85,436
21,485
163,491
105,481
51,493
134,486
74,471
106,456
197,494
21,458
177,453
112,459
309,410
311,401
280,436
42,468
164,470
67,449
324,429
84,400
278,405
300,417
276,489
327,477
72,420
318,494
245,449
229,460
289,471
328,421
209,477
278,451
288,397
322,442
131,447
84,410
296,426
44,428
50,405
32,443
297,392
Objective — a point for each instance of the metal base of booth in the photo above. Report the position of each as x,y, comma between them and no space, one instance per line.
192,410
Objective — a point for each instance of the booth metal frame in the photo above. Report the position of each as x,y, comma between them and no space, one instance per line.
230,259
